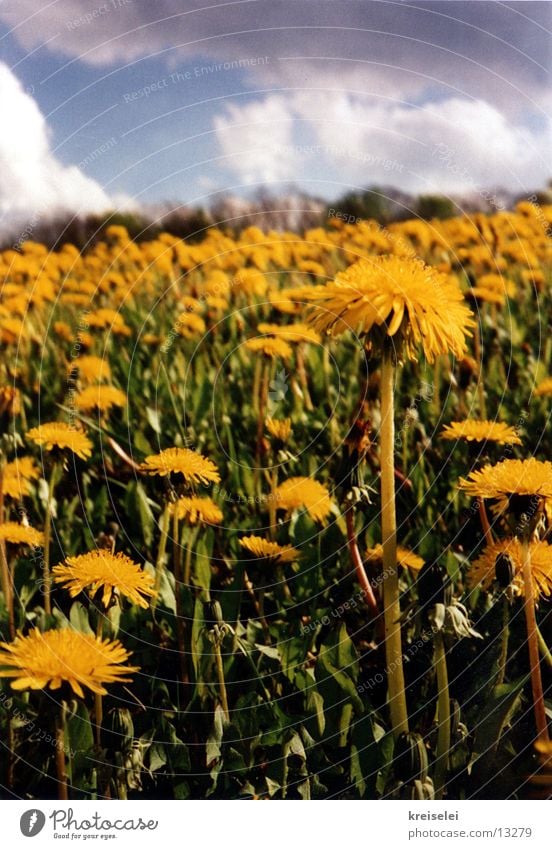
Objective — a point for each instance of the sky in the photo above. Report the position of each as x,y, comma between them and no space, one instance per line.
121,103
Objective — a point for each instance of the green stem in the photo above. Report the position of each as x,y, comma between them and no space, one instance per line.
533,646
443,717
392,610
98,698
222,683
178,587
46,577
544,650
164,527
504,636
61,771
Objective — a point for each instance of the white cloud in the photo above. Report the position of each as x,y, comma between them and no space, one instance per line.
456,145
256,139
33,181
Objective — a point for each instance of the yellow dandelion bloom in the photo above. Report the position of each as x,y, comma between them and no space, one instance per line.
250,281
18,476
101,570
279,429
297,332
49,659
304,493
270,347
264,549
63,330
10,401
397,294
405,557
215,303
544,387
189,325
497,283
473,430
21,534
522,478
197,510
151,339
482,570
11,330
91,369
488,296
193,466
100,397
60,435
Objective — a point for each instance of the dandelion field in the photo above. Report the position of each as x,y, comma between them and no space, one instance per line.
276,511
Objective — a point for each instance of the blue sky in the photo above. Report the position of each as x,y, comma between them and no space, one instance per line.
129,101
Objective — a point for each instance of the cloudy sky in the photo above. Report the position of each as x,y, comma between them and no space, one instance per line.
108,102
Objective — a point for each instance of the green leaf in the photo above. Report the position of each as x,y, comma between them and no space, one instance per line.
78,617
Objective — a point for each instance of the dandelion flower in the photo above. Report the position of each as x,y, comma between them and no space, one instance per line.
193,466
298,332
512,483
60,435
304,493
397,294
21,534
279,429
102,570
18,476
544,387
197,510
481,431
263,549
49,659
91,369
405,557
482,570
270,347
100,397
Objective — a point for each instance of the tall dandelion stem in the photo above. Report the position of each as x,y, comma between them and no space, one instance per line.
443,716
46,577
392,610
222,683
61,771
164,527
533,645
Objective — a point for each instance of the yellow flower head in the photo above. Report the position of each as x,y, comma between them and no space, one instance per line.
91,369
279,429
18,476
101,570
270,347
405,557
297,332
249,281
482,570
10,400
100,397
304,493
488,296
397,294
525,479
197,510
193,466
60,435
263,549
481,431
544,387
21,534
190,325
49,659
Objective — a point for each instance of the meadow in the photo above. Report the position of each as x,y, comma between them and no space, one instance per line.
276,511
